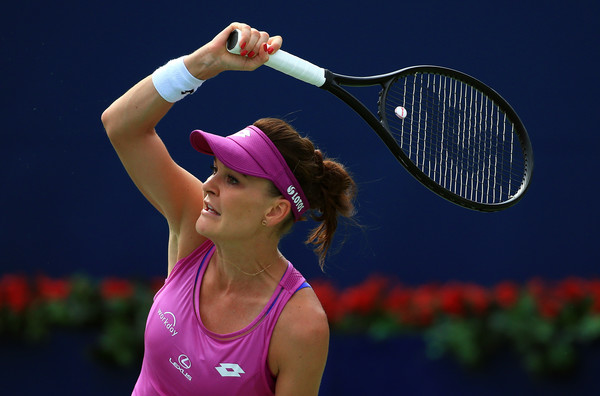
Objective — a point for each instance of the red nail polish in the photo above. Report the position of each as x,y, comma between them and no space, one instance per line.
270,50
243,45
266,48
251,54
244,52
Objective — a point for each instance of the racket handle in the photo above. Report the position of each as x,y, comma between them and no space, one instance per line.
285,63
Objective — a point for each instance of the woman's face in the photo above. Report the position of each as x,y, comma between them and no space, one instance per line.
234,205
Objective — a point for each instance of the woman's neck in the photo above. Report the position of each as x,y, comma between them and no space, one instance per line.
240,265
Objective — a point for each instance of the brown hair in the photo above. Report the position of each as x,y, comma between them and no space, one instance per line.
326,183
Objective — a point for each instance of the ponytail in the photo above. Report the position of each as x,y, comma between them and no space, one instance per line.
329,188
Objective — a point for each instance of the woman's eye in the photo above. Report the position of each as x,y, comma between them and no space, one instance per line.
230,179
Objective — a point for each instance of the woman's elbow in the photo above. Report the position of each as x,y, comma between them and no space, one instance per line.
109,121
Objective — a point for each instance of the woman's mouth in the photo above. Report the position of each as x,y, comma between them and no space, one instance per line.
208,208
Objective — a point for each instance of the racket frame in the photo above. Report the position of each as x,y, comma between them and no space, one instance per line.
334,83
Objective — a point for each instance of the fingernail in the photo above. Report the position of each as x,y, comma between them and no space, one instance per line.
270,50
266,48
244,52
243,45
251,54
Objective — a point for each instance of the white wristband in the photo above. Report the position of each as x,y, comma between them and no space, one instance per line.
174,82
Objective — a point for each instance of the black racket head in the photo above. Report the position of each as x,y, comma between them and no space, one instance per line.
457,136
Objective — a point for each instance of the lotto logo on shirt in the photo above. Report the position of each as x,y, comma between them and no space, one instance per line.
230,370
169,321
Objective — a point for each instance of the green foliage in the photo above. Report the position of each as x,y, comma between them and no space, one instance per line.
545,324
115,308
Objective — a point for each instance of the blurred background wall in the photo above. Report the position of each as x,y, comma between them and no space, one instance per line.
69,207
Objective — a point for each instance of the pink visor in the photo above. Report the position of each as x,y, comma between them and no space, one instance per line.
252,153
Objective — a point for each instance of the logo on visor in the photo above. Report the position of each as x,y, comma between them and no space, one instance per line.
242,133
295,197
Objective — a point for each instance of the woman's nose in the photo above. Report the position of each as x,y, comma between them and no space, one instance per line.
210,186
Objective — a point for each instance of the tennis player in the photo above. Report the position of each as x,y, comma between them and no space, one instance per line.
234,317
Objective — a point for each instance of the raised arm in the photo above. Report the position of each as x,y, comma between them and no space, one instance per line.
131,120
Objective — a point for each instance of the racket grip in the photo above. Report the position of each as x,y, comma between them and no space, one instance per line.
285,62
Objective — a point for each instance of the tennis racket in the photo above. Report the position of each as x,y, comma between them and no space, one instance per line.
453,133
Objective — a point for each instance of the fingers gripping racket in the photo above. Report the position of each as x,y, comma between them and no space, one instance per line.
453,133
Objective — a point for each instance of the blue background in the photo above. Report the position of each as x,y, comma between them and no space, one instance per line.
68,206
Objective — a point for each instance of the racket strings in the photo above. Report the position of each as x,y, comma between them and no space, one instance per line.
456,136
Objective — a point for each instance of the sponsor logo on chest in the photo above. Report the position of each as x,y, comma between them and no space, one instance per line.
183,364
169,321
230,370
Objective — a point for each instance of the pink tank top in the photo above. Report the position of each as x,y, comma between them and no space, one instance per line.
182,357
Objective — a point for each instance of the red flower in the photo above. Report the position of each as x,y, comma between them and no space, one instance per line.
398,299
476,298
549,307
53,289
594,290
113,288
365,297
451,300
424,303
398,303
572,290
506,294
15,291
551,299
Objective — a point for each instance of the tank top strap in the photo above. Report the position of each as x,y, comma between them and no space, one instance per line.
290,283
292,280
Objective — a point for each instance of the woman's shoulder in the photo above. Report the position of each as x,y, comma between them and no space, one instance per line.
303,318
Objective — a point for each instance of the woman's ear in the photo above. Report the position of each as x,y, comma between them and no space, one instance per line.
278,212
